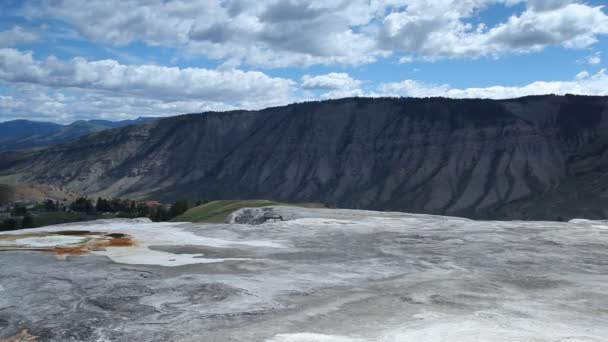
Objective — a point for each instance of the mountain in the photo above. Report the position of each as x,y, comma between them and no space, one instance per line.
19,129
542,157
25,134
116,124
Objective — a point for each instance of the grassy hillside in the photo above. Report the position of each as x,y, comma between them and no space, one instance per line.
33,193
216,211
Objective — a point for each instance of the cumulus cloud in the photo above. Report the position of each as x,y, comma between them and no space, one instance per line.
306,32
15,36
594,59
338,85
583,84
78,87
42,103
272,33
330,81
406,59
335,85
159,82
438,29
287,33
547,5
574,25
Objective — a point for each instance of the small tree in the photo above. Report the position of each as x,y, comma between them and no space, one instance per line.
50,205
102,205
160,214
8,224
82,204
180,207
19,210
28,221
143,210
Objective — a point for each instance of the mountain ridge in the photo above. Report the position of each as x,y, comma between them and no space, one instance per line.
476,158
25,134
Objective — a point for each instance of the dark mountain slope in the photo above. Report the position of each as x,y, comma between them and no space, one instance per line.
477,158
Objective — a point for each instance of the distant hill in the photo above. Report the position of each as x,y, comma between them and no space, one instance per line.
24,134
19,129
122,123
216,211
539,157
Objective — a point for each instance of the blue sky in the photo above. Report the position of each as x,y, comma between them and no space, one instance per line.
63,60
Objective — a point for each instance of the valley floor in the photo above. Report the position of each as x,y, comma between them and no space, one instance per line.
321,275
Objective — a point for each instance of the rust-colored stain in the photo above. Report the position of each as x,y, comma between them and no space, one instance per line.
66,250
124,241
115,240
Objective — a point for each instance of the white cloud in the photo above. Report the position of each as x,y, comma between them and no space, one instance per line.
594,59
62,90
336,85
41,103
274,33
547,5
271,33
411,88
573,26
306,32
583,84
330,81
244,88
342,85
438,29
285,33
65,90
582,75
406,59
15,36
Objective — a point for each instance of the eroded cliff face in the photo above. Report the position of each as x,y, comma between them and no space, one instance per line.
477,158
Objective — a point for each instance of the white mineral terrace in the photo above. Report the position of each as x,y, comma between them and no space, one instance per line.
321,276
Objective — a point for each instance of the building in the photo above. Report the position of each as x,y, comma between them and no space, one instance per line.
151,204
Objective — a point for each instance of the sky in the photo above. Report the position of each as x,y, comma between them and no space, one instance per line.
65,60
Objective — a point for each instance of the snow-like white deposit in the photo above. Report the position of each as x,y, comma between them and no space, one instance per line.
310,337
50,241
142,255
321,276
145,234
451,329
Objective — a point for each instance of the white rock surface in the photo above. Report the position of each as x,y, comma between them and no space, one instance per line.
49,241
319,276
145,234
